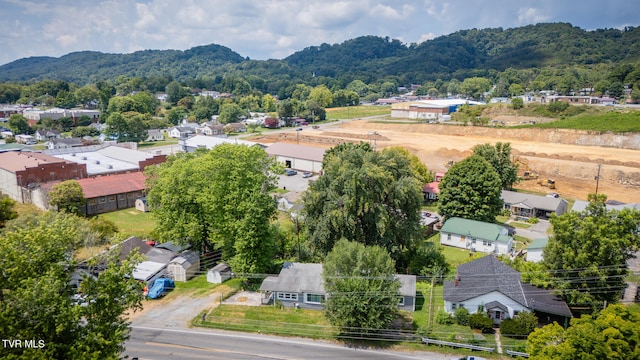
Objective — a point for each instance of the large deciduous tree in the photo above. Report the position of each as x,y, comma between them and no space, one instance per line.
220,197
471,190
588,252
67,196
7,211
361,287
36,298
365,196
613,334
499,156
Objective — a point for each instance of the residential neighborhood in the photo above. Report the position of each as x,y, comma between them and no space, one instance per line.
463,196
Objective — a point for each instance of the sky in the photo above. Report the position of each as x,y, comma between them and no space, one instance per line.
271,29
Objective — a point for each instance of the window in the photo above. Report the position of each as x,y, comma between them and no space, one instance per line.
401,301
112,198
448,237
102,200
486,243
314,298
287,296
473,241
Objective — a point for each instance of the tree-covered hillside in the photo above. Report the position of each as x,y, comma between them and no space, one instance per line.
462,54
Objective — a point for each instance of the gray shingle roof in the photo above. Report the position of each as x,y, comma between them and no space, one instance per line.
531,201
483,276
488,274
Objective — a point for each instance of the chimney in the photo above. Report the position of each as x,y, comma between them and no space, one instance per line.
457,280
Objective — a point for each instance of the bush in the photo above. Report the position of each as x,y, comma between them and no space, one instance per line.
520,326
505,212
481,322
462,316
557,106
533,220
444,318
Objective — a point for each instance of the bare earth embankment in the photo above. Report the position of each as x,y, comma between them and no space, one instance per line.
569,157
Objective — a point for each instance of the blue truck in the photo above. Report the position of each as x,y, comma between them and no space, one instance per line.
160,287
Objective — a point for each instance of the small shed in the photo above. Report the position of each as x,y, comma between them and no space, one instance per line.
536,249
219,274
185,266
141,204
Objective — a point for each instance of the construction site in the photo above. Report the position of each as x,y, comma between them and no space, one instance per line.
571,163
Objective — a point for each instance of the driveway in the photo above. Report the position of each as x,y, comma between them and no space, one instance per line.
173,312
295,182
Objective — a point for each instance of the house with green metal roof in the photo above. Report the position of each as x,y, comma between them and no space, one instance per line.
535,249
476,236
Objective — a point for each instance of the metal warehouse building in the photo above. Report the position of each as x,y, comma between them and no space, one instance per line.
298,157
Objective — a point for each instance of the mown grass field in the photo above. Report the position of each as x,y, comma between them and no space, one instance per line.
131,222
356,112
613,121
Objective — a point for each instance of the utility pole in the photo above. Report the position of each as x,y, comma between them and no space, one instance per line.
598,178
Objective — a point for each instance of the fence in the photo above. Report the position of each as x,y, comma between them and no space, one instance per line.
457,345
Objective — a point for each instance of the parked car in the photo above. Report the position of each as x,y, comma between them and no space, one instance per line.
469,358
160,287
307,174
290,172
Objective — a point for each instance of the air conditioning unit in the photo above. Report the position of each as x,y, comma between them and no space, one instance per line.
83,158
109,166
96,161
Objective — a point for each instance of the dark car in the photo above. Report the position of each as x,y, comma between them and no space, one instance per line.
290,172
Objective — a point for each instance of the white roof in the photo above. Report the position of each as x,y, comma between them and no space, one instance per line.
146,269
108,159
211,141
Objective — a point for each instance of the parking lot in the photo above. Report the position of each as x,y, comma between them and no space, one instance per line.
295,182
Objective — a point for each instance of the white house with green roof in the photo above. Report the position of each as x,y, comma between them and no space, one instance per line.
476,236
535,249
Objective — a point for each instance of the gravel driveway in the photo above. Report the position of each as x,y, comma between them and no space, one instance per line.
175,312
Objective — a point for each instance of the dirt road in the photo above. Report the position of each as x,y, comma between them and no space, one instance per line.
571,158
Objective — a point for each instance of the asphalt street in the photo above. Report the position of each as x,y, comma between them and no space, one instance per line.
153,343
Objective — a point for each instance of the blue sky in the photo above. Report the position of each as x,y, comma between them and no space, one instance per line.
264,29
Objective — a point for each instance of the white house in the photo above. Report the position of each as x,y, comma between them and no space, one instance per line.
476,236
219,274
43,135
490,286
535,249
181,132
154,135
299,157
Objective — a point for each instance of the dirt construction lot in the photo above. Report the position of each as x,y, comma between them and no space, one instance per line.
569,157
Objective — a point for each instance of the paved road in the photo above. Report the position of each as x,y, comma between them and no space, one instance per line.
154,343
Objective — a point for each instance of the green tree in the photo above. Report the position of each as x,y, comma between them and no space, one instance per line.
268,103
475,87
36,295
366,196
175,92
7,211
65,99
588,252
176,115
361,287
220,197
499,156
231,113
67,196
82,131
517,103
516,90
86,94
613,334
471,190
321,95
18,124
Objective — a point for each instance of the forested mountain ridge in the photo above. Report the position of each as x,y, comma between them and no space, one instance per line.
370,58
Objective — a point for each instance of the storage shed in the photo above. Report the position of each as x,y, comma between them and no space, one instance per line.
141,204
219,274
184,266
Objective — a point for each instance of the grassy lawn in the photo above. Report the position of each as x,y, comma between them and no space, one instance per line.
520,225
356,112
455,256
613,121
199,286
270,320
131,222
151,144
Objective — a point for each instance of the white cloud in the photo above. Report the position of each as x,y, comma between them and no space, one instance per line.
531,16
426,37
